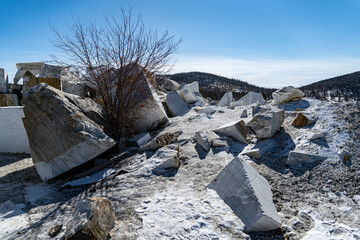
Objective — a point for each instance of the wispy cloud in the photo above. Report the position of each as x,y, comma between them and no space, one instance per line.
270,72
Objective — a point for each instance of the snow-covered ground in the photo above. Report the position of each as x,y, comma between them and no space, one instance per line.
313,201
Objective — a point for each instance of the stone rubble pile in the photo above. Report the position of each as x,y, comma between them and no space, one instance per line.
65,130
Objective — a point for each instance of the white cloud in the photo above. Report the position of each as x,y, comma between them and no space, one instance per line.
270,72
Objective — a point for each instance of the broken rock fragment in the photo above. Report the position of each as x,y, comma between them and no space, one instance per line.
237,130
313,136
139,140
187,93
301,121
287,94
203,140
259,149
162,140
298,157
94,218
248,194
266,123
244,114
64,130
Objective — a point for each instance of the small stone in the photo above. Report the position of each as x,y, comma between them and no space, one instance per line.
55,230
301,121
202,140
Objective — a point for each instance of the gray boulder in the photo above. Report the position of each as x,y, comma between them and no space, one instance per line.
248,194
64,130
267,122
287,94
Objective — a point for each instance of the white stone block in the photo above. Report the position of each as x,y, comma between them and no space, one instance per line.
226,100
151,112
203,140
259,149
248,194
176,104
139,139
236,130
188,95
265,124
249,98
33,67
194,86
313,136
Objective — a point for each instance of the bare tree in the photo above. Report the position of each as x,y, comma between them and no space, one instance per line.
117,59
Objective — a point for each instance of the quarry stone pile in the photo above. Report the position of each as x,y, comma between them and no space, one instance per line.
64,130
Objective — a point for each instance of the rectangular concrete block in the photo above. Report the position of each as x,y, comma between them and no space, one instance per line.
248,194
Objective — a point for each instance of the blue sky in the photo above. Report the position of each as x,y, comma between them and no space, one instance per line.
268,43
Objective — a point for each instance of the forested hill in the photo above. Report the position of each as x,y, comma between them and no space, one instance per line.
345,87
215,86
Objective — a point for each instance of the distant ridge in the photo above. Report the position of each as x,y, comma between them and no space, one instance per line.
215,86
345,87
341,88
